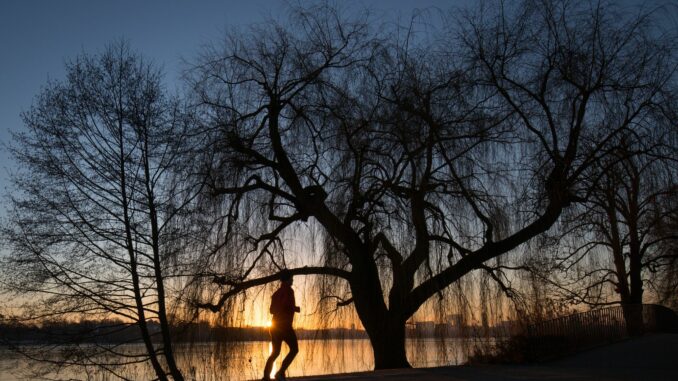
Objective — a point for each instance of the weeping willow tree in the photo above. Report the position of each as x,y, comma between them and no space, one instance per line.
418,162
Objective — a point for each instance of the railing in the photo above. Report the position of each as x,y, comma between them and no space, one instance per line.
584,330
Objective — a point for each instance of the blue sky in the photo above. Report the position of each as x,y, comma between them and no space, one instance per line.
38,36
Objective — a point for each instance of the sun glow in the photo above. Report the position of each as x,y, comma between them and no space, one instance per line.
269,324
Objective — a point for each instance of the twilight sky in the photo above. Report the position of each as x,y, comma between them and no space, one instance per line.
38,36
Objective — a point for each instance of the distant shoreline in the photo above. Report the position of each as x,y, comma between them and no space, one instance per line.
121,333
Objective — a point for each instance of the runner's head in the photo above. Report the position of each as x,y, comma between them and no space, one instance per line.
286,277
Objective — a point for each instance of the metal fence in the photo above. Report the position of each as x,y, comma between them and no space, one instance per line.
584,330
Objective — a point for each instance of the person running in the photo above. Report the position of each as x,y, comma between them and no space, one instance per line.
283,308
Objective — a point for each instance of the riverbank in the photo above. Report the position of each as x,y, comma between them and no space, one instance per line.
649,358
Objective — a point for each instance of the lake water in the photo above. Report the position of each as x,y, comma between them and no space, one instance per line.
245,360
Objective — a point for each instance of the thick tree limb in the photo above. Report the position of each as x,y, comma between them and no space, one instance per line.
475,259
241,286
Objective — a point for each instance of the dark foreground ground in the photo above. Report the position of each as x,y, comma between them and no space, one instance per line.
652,358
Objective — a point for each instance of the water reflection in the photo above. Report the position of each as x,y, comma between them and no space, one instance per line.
246,360
274,368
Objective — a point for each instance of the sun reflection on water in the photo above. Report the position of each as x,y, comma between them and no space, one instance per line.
275,365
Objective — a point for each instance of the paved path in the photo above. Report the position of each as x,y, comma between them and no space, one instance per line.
651,358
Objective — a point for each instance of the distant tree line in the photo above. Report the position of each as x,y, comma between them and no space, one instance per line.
118,332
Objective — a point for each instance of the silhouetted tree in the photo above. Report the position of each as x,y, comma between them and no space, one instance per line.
92,225
420,160
616,242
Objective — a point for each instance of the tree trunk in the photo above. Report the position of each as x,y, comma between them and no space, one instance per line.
130,246
385,328
633,310
633,316
388,344
157,265
387,336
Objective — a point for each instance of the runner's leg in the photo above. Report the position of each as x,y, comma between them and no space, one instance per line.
290,338
276,341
